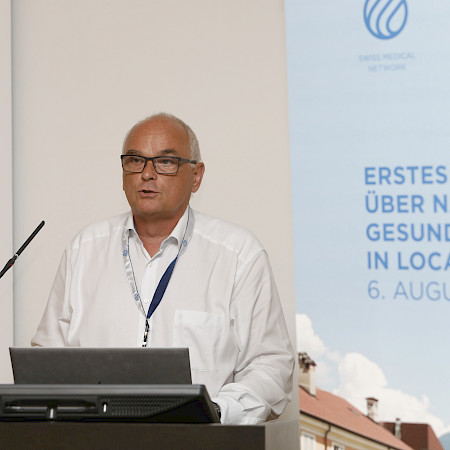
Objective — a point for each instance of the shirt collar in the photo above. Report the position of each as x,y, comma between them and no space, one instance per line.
177,233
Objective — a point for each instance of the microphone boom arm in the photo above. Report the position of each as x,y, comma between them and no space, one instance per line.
11,262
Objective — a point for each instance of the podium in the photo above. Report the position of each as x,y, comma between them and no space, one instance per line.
59,435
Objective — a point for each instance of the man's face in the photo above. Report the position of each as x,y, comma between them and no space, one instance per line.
153,196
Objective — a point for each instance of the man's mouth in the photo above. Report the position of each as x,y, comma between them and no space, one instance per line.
147,192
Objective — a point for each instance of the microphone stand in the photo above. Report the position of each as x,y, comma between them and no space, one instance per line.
11,262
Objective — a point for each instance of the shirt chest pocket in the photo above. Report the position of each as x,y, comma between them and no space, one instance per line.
200,332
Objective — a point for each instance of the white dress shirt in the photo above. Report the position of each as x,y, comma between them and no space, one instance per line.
221,303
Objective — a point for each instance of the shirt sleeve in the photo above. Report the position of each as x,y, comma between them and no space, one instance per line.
262,385
54,326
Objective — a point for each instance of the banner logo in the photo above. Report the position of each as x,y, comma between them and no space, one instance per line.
385,19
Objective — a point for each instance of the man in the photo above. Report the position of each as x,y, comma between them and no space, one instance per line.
163,275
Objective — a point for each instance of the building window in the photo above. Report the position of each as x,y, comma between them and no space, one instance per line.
308,442
338,447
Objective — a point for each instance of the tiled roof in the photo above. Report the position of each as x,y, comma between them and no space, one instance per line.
417,435
337,411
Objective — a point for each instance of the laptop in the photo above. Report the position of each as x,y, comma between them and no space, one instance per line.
74,365
120,403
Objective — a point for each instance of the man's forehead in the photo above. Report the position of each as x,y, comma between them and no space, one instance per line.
159,125
156,131
163,152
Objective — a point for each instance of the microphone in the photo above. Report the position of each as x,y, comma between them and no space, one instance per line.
11,262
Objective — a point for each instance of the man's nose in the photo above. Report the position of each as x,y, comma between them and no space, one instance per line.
149,172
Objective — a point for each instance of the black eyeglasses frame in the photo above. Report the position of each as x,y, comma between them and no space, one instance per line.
153,158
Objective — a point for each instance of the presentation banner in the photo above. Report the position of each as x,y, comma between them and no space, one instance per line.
369,96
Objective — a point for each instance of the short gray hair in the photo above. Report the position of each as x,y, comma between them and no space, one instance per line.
193,141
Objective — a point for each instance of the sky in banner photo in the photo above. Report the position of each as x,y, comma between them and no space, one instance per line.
369,103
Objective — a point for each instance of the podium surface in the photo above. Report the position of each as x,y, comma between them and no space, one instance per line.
113,435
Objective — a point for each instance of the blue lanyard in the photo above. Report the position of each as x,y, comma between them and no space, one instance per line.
157,297
162,285
161,288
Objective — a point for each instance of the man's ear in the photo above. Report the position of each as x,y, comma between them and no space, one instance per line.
199,170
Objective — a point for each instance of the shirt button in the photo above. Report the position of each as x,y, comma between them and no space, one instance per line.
146,300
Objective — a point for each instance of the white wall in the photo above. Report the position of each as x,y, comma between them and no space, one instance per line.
6,247
85,71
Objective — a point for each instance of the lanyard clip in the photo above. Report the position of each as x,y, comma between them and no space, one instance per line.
144,339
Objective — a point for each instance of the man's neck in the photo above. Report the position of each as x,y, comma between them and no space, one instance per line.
152,232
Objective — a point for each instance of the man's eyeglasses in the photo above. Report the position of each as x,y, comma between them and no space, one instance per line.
165,165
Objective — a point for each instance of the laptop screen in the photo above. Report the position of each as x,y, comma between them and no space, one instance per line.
74,365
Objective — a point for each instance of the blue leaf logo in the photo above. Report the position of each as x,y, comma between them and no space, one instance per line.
385,19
